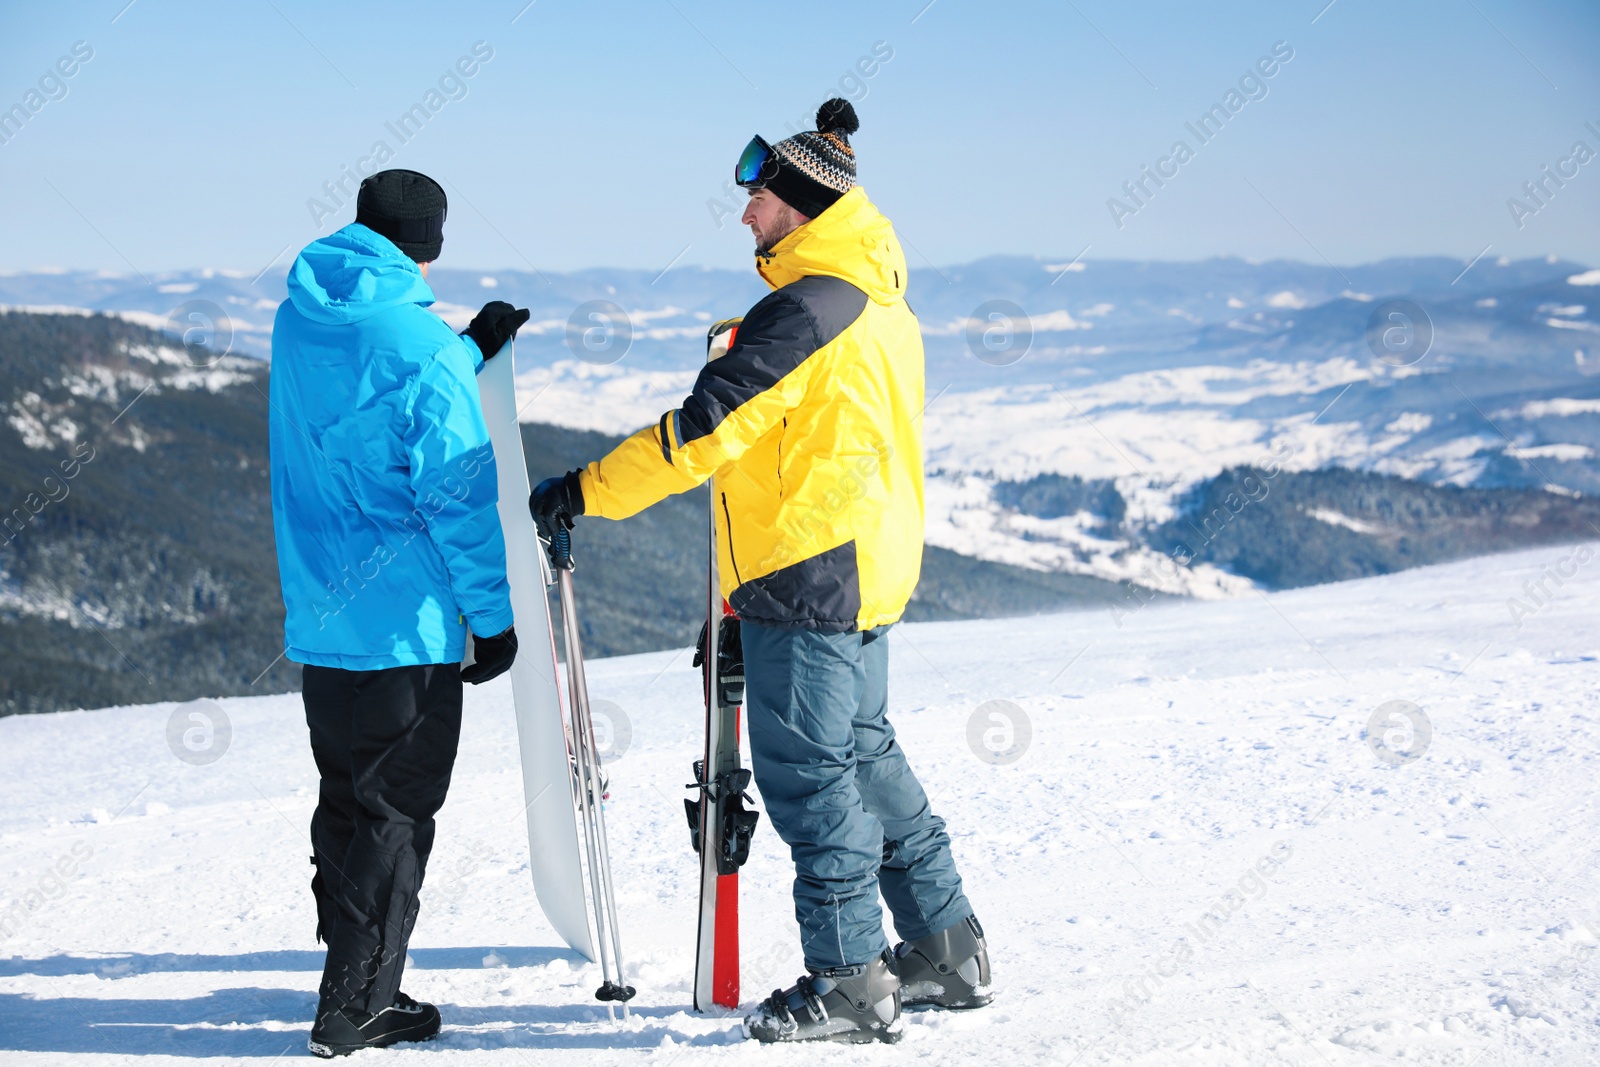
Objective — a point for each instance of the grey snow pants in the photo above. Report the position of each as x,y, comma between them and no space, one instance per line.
842,797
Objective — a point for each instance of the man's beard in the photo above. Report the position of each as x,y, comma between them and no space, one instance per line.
784,224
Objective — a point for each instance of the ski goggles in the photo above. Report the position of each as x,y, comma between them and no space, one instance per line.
758,164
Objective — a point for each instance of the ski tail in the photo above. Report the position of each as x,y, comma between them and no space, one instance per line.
725,954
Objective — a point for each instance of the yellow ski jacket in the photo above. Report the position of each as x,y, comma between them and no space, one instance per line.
811,428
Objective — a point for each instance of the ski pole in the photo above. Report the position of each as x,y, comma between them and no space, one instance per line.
586,753
588,778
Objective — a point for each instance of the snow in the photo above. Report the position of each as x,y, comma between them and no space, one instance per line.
1198,858
594,396
52,309
1154,433
1561,406
1568,324
962,517
1565,453
456,316
1339,518
1057,320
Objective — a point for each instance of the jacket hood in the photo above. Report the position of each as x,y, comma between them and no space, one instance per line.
352,274
850,241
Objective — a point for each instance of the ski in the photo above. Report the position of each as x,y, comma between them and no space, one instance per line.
719,823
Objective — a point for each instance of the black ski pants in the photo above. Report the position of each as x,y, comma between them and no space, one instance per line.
385,744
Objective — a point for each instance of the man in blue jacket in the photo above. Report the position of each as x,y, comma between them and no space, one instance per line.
389,550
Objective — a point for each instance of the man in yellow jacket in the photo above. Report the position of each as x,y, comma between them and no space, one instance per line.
810,427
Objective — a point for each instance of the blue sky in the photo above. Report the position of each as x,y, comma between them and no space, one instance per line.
199,133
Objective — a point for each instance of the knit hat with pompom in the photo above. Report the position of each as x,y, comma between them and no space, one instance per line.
817,167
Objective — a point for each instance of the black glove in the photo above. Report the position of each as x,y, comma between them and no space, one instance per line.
491,656
556,500
496,324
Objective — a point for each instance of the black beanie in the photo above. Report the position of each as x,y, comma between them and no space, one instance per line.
816,168
406,207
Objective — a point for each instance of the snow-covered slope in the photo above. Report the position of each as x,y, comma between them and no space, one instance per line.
1199,855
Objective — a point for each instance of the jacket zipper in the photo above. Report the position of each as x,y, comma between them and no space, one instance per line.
728,518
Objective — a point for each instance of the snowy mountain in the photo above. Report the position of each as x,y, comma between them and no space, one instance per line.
136,551
1093,443
1152,377
135,542
1333,826
1152,380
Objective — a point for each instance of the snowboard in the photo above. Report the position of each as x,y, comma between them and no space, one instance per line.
719,824
548,781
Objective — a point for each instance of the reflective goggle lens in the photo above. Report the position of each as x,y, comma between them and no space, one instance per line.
756,165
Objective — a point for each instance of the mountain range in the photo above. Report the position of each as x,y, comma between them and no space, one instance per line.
1097,433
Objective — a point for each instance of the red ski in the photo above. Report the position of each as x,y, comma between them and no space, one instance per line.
719,823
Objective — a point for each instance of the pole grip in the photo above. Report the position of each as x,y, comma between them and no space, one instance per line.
561,548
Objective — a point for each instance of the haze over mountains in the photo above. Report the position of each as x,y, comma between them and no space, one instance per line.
1079,310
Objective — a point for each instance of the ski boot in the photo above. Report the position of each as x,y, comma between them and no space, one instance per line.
856,1004
346,1030
950,969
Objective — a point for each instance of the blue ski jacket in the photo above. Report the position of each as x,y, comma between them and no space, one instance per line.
384,490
